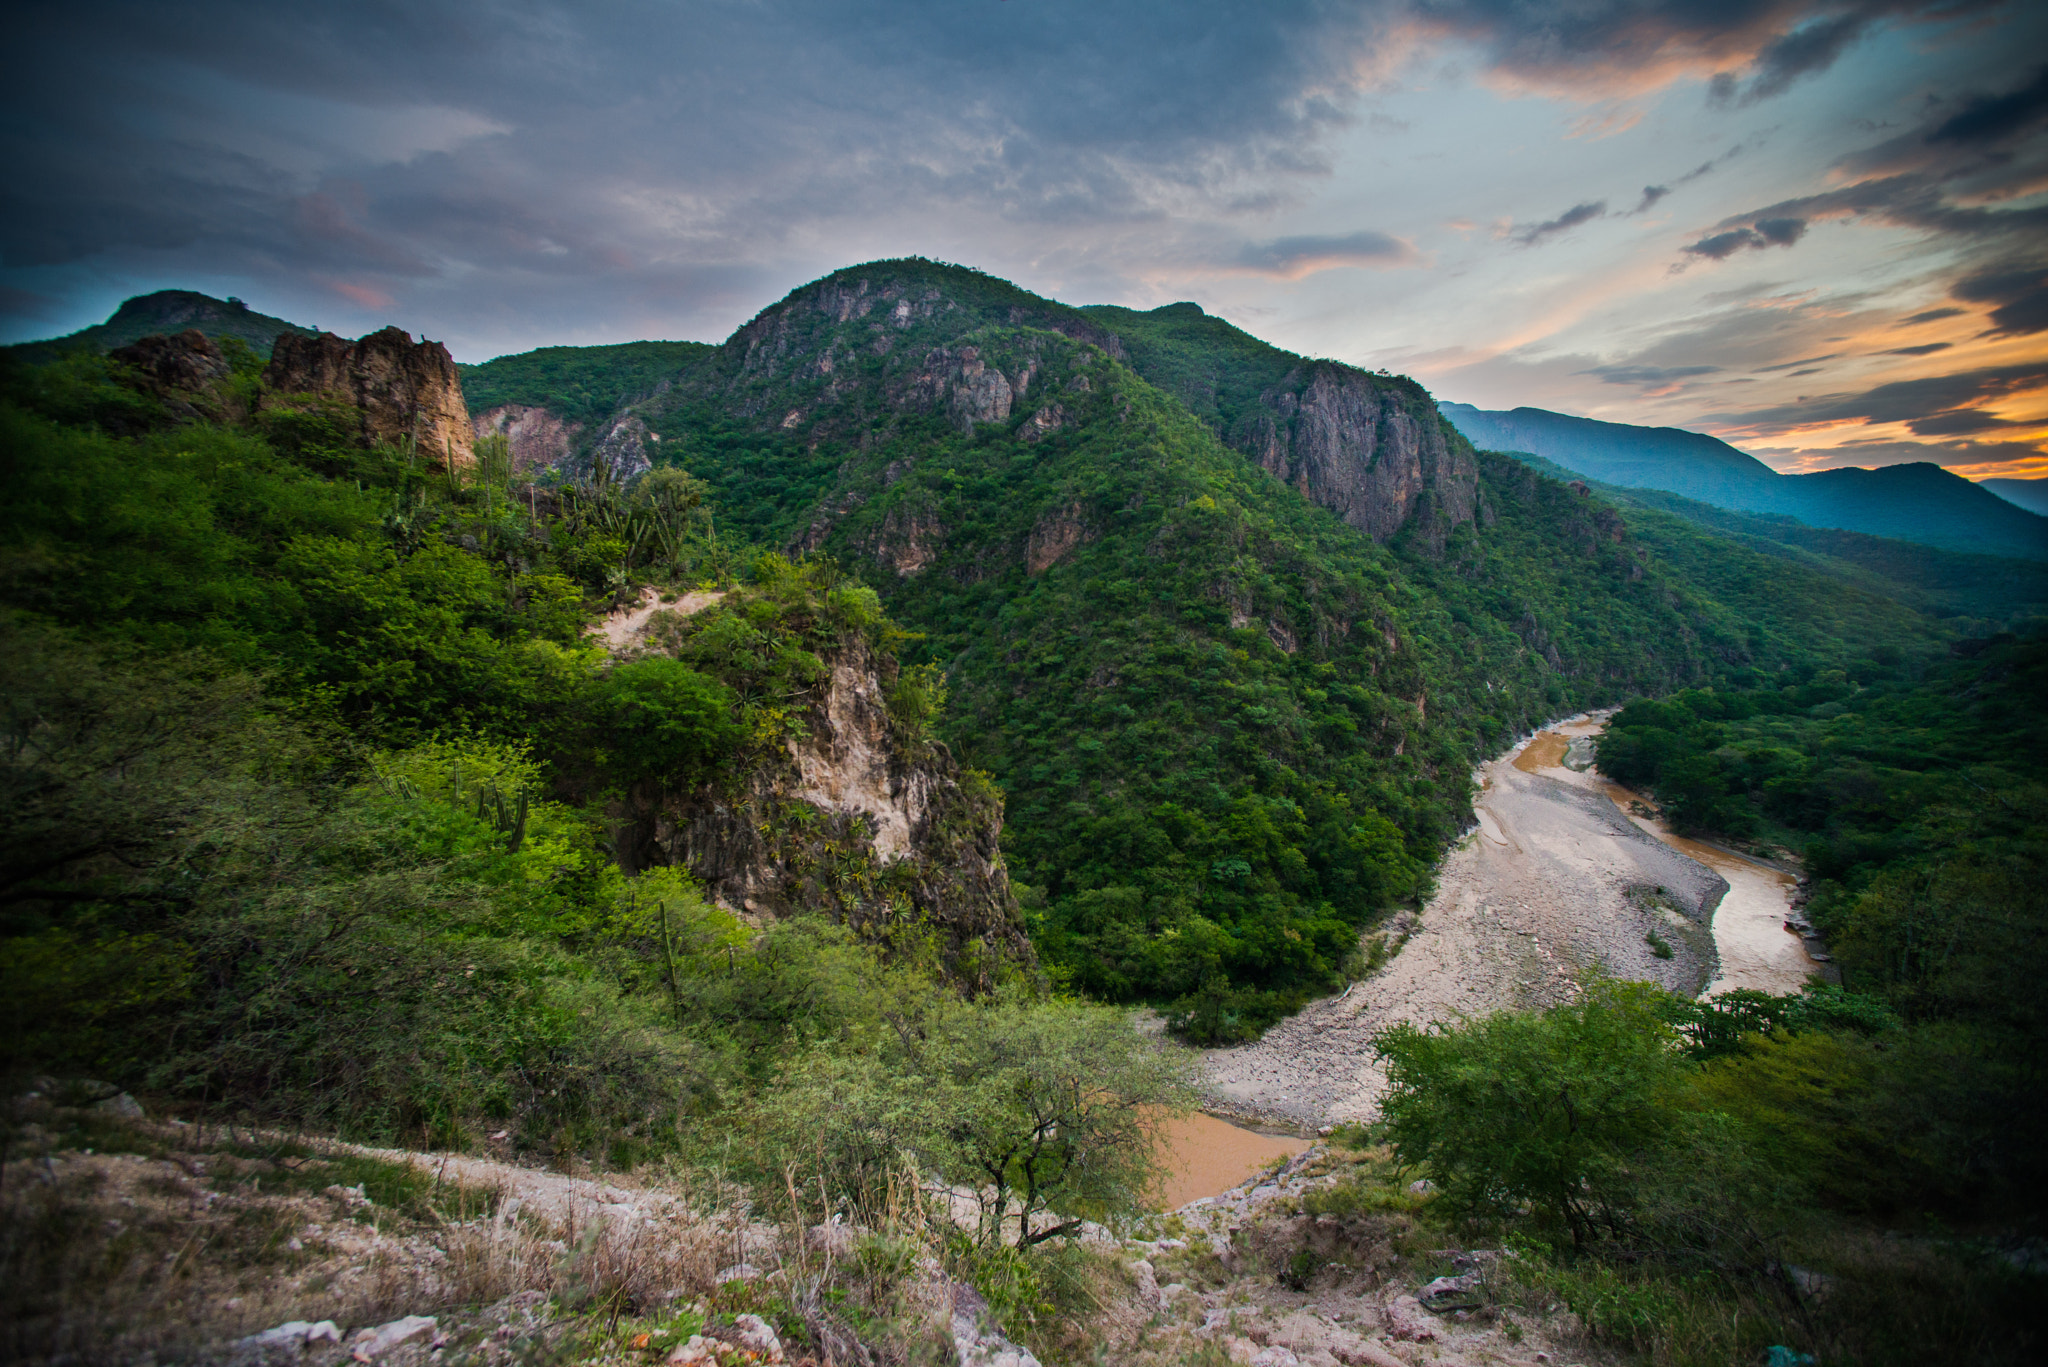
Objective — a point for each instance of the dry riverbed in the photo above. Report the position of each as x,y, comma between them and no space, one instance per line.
1556,880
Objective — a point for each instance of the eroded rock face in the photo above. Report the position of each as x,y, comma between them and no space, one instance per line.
403,391
1055,535
538,437
186,373
851,823
1363,450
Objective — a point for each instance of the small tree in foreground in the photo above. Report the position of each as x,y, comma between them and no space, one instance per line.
1047,1110
1558,1109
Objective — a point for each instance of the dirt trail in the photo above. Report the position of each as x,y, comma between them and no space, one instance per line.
623,627
1556,879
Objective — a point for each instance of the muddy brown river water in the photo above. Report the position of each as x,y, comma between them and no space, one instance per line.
1204,1156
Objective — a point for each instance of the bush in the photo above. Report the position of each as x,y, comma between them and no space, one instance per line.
664,720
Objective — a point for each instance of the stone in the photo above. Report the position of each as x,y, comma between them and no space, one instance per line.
1408,1321
186,373
738,1272
121,1106
757,1337
371,1344
402,393
1148,1284
697,1352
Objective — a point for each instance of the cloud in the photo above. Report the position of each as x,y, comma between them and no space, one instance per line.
1929,316
1291,258
1651,194
1753,49
2018,292
1656,375
1924,349
1765,232
1930,399
1792,365
1564,222
1993,118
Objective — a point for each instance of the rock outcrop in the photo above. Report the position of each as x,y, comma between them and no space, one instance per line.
404,393
1368,451
186,373
848,820
537,436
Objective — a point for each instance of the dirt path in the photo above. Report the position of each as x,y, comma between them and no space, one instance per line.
623,627
1556,879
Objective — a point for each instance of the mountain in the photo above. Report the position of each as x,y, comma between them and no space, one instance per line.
1917,502
165,313
1227,625
2031,494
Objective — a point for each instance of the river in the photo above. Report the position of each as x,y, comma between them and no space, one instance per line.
1750,939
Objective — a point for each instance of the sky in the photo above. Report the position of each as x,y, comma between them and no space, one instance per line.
1815,228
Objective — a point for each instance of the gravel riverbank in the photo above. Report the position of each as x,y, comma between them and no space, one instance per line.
1555,879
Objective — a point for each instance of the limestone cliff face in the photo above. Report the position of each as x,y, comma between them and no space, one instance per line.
537,436
186,373
403,392
1371,452
847,820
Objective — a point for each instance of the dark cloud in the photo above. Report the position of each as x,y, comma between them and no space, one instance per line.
16,303
2019,294
1564,222
1293,257
1760,47
1791,365
1930,399
1929,316
1810,48
1924,349
1993,118
1765,232
1651,194
1648,374
1957,422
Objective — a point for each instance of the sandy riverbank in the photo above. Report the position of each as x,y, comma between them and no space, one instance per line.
1556,879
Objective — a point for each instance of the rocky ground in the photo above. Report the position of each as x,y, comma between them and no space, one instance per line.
1555,880
125,1240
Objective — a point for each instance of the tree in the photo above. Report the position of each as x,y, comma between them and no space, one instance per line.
1046,1108
1546,1108
665,720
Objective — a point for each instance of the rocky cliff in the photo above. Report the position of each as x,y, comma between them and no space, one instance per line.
843,816
187,374
538,437
404,393
1369,450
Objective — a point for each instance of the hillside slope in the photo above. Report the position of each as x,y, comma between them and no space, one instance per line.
164,313
1916,502
1230,664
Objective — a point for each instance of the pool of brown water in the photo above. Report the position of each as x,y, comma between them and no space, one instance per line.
1204,1156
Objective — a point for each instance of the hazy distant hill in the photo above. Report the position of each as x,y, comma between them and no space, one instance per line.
2031,494
167,312
1917,502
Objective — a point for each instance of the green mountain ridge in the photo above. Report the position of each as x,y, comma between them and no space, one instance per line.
1232,728
166,312
1914,502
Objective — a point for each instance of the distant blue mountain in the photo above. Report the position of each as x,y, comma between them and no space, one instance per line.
2031,494
1918,502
